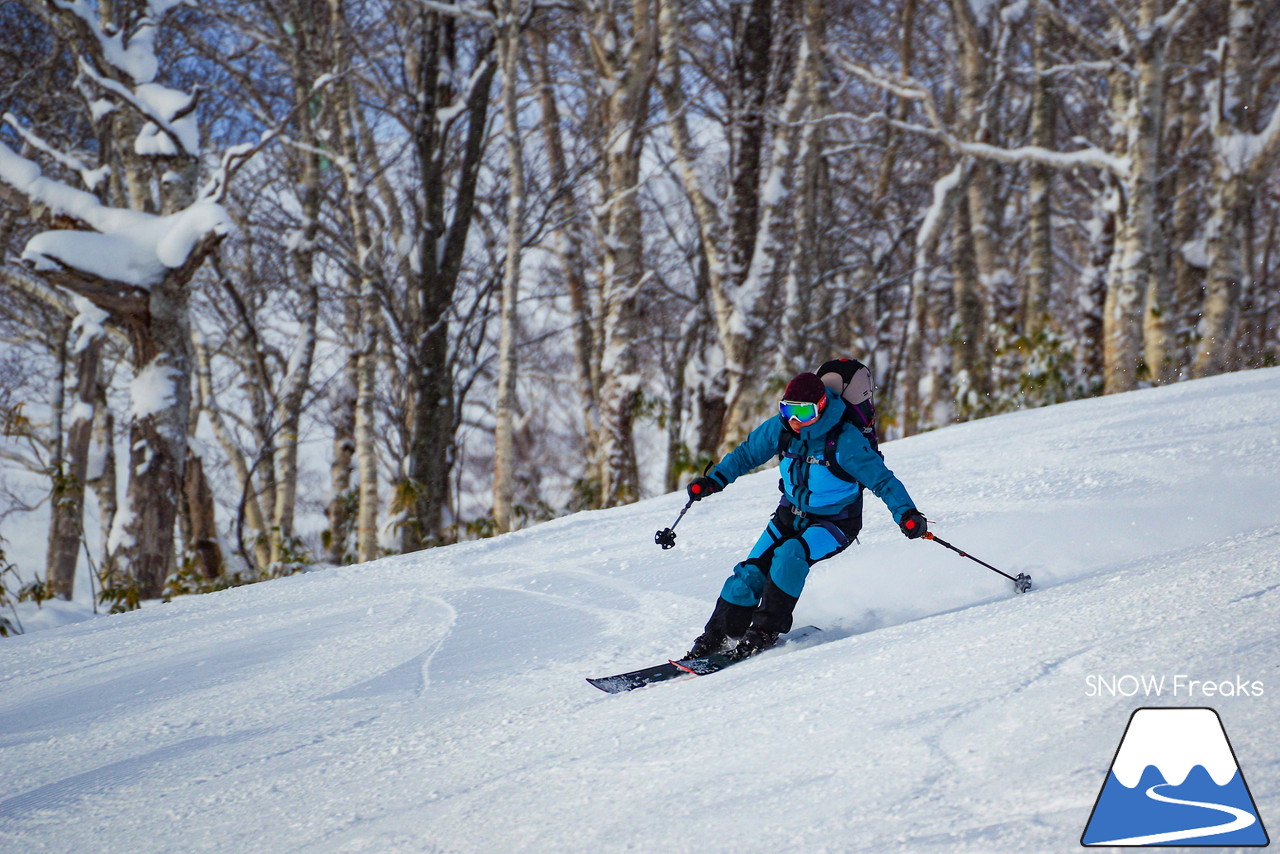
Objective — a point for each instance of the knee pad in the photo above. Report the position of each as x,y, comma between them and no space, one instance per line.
745,586
790,567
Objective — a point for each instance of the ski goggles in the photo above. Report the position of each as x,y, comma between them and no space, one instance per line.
802,411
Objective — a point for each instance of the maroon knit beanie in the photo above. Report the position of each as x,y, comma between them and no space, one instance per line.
805,388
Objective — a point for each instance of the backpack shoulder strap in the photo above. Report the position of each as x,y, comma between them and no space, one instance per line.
829,449
784,439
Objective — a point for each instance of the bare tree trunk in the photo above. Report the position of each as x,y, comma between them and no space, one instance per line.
59,525
913,370
158,439
969,351
1091,324
975,263
745,250
103,481
1122,310
57,577
749,237
1145,200
1188,195
796,347
1231,199
289,417
343,414
199,511
447,171
297,379
1040,189
625,57
714,268
906,56
366,449
568,248
249,498
504,445
66,533
367,302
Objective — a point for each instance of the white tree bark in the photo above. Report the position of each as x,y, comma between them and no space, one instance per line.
571,257
365,349
624,50
151,142
1040,185
508,25
1231,195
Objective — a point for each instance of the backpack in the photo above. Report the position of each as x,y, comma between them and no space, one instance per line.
851,380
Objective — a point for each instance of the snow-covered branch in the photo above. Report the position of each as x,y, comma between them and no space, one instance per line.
935,216
1171,22
91,177
1091,157
131,53
903,87
1246,153
1078,31
166,109
25,282
124,246
26,177
468,11
911,90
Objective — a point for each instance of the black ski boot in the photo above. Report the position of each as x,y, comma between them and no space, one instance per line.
753,642
707,643
728,623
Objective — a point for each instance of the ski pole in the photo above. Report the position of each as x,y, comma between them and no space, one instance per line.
1021,584
667,536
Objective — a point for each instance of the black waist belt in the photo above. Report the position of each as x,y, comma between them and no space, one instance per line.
804,514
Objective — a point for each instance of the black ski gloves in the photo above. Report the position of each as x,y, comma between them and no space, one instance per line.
703,486
914,524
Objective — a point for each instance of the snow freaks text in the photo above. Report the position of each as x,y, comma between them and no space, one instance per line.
1181,685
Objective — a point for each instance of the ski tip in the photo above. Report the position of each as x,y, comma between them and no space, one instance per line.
609,684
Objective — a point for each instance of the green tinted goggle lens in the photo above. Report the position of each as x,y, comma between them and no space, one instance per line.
801,411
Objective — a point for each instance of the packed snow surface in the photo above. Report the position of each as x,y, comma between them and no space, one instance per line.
436,702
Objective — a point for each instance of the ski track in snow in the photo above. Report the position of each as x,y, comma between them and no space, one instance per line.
436,702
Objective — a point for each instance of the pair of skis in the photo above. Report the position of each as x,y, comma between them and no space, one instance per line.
684,669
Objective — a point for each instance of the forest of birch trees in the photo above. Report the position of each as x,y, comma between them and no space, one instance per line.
286,283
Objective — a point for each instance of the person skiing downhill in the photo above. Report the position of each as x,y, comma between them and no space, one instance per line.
823,472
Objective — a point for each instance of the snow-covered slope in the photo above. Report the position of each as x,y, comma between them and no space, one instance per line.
435,702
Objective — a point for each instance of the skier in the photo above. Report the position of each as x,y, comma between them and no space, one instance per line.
826,462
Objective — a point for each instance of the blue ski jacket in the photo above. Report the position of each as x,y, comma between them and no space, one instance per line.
807,481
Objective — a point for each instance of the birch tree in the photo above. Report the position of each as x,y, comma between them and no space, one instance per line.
511,18
974,255
136,237
742,239
71,469
442,99
276,269
1243,150
1036,305
569,235
1135,330
623,43
364,288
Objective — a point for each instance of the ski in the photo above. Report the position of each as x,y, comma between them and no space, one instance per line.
687,668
